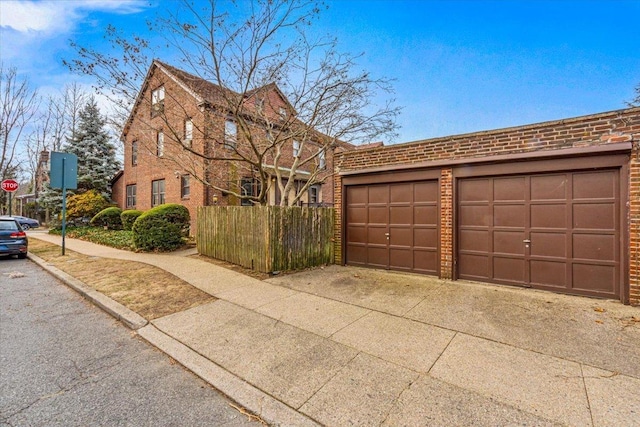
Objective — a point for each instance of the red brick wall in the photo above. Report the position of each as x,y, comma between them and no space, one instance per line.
586,131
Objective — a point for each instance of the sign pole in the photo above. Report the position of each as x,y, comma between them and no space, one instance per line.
9,204
64,207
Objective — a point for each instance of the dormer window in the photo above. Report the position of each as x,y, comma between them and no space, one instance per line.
157,101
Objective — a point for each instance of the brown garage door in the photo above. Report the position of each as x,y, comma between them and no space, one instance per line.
393,226
557,231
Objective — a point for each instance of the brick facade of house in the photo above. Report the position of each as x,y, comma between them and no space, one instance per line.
147,166
580,138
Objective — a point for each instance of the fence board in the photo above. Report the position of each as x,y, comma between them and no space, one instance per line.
267,238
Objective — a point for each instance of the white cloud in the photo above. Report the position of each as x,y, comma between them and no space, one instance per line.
53,17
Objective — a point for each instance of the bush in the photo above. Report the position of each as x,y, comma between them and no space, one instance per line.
82,207
128,217
109,217
161,228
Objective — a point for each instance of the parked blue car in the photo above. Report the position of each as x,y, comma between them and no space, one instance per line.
13,240
25,222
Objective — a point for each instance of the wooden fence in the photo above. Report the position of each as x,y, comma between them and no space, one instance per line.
266,238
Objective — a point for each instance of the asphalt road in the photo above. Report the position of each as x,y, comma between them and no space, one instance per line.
63,362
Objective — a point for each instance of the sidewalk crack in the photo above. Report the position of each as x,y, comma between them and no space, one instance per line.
586,393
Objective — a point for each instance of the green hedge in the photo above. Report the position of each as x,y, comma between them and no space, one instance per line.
109,217
128,217
161,228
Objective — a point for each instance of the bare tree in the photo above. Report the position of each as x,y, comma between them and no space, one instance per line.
248,50
19,104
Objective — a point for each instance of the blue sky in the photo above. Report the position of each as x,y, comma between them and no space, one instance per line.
460,66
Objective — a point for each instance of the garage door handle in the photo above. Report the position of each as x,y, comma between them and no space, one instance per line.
386,234
526,241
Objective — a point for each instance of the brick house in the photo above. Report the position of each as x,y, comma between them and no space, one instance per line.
178,119
553,206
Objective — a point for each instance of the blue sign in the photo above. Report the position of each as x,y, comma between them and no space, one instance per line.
64,171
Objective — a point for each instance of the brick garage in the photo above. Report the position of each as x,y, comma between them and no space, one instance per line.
553,205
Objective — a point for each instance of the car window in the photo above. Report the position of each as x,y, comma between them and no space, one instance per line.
8,225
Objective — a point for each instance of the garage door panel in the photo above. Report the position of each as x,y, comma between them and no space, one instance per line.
549,187
549,216
401,193
474,266
508,242
594,185
475,215
594,216
378,194
426,261
549,273
357,233
357,195
549,244
508,269
377,256
425,192
377,235
594,278
594,247
378,215
509,216
401,236
475,190
425,237
509,189
357,254
357,215
473,240
401,215
400,258
425,215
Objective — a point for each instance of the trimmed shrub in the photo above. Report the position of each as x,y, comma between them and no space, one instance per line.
128,217
82,207
109,217
161,228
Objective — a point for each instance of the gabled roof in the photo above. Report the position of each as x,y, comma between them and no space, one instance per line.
203,91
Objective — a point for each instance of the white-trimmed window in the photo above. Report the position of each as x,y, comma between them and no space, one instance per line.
283,112
131,196
157,192
157,101
314,195
322,159
134,153
188,132
160,144
296,148
185,186
230,134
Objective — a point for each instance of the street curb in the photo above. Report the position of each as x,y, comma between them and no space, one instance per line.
130,318
255,400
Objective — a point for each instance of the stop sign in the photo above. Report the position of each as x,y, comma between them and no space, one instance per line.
9,185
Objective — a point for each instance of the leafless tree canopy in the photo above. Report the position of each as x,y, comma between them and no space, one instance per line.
246,48
19,104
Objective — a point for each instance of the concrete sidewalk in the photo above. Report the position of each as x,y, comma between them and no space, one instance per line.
345,346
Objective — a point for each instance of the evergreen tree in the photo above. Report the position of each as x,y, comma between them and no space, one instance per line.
97,162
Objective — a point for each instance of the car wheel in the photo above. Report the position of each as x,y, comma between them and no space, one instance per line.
25,227
22,256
